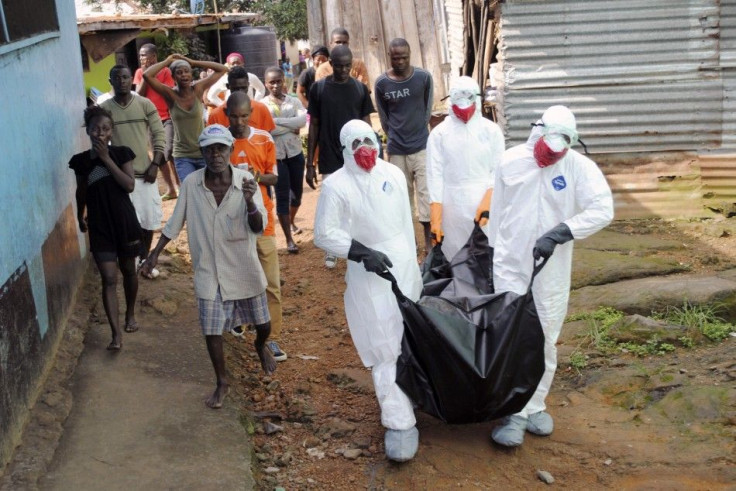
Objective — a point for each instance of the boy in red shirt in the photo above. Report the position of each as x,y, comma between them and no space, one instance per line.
149,57
255,150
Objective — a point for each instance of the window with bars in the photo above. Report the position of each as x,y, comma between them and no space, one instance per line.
21,19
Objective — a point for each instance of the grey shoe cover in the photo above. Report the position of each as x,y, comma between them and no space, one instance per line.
511,431
540,424
401,445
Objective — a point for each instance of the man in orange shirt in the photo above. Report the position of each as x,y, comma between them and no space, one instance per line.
260,118
339,36
255,150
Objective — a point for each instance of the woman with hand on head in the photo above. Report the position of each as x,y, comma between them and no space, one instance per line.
185,106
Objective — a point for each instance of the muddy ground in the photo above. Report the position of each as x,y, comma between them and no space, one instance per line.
623,422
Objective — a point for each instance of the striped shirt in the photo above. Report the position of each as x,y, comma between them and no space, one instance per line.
222,245
132,123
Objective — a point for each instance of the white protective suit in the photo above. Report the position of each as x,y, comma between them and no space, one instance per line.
527,202
461,161
373,209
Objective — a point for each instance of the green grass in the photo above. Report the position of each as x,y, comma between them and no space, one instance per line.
704,319
578,360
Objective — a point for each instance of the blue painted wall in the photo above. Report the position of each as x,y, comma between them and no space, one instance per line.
41,250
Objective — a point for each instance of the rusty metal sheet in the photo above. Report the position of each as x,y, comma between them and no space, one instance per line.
91,24
640,75
100,45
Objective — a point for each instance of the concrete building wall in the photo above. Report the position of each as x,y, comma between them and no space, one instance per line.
41,250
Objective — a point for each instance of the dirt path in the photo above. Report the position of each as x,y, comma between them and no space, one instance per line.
323,401
625,423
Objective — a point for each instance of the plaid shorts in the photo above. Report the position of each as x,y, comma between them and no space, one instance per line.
216,316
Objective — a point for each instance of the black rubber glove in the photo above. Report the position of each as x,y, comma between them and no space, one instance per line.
373,261
545,245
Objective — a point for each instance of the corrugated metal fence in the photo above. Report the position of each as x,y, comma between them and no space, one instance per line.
654,79
640,75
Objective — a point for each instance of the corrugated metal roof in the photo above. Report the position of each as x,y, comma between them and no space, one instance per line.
640,75
88,25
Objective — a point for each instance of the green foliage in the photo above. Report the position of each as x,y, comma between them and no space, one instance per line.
718,331
705,319
173,43
289,17
599,321
651,347
686,341
578,360
183,6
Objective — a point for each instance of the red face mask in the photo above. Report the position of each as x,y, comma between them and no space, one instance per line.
366,157
545,156
465,114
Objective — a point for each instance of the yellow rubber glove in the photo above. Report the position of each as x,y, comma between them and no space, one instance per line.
484,207
435,222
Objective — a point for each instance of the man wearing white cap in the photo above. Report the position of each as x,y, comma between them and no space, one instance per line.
546,195
363,214
224,213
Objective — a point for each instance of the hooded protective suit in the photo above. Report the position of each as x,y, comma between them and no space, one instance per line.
461,161
529,201
373,209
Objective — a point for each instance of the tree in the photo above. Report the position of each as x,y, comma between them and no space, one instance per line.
169,6
289,17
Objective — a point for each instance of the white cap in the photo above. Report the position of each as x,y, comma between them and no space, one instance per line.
215,133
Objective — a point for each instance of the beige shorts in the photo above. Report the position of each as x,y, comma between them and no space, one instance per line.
414,167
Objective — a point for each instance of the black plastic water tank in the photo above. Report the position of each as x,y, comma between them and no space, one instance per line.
257,45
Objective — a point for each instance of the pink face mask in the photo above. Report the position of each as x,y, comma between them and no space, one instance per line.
464,114
365,157
545,156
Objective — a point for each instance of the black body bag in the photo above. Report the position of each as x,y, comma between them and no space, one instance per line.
468,355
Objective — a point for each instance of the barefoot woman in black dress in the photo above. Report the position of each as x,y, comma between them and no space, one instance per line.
104,180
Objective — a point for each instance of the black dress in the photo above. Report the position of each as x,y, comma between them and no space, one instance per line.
111,218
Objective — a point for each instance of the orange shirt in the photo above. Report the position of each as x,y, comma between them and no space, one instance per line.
259,152
260,117
358,71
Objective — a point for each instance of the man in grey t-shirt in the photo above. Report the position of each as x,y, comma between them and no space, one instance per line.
404,102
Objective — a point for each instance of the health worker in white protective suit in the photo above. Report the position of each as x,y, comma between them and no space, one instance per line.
462,154
363,214
546,195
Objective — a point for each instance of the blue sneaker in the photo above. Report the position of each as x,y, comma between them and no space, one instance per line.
278,355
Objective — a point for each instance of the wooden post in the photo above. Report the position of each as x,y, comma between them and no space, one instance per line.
217,28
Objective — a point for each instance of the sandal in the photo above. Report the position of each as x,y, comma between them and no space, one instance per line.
130,328
292,249
295,230
167,197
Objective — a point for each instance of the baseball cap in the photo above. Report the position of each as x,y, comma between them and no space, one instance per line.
215,133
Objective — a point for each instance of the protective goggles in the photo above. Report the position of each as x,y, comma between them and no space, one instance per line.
365,141
570,137
457,96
